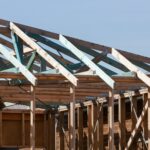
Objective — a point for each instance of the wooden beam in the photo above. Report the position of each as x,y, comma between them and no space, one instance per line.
121,119
131,66
72,118
61,133
148,101
133,116
110,82
100,140
18,46
1,129
90,126
32,119
44,54
30,77
145,121
77,41
80,128
23,129
52,132
139,121
95,60
111,120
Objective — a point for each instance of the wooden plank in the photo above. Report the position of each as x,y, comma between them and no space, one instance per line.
100,124
77,41
95,60
32,119
61,133
23,129
148,101
18,46
1,143
72,118
44,54
140,119
110,82
80,128
90,127
95,135
111,120
133,117
131,66
145,121
30,77
121,119
52,132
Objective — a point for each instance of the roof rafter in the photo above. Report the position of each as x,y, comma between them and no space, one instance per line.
18,65
110,82
131,66
44,54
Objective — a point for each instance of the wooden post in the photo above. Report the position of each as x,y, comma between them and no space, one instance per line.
145,127
80,128
61,133
95,127
122,131
148,118
100,123
32,119
45,131
89,111
51,131
133,116
23,129
72,118
138,124
111,120
1,129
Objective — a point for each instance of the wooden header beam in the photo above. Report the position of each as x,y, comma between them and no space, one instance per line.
131,66
18,65
44,54
110,82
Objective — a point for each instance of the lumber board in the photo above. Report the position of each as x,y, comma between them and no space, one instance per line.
110,82
44,54
139,121
30,77
77,41
32,119
131,66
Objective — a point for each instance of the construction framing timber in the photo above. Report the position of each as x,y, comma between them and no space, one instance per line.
76,94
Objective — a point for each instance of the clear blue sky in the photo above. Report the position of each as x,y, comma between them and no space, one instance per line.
123,24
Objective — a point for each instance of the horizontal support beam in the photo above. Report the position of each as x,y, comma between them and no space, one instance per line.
110,82
44,54
30,77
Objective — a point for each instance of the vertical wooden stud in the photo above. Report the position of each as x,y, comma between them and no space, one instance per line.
148,118
32,119
61,133
122,128
23,129
111,120
80,128
1,129
72,118
89,111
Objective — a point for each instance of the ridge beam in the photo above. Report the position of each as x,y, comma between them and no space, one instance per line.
44,54
131,66
110,82
30,77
